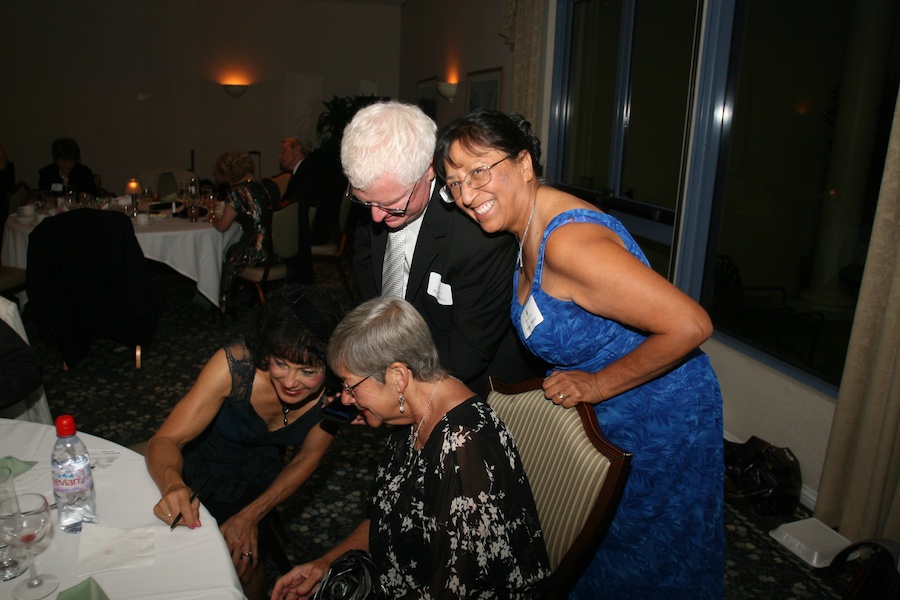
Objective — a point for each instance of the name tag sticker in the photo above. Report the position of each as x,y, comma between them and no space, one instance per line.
56,187
439,290
531,317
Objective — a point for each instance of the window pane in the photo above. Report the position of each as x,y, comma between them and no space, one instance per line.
592,87
661,69
813,89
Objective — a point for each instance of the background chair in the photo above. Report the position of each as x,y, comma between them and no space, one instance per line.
285,243
165,181
762,311
333,252
576,474
87,277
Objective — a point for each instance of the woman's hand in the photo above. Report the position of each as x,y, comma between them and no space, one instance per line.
240,533
177,499
568,388
300,582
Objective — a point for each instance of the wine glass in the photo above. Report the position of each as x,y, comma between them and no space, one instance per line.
9,566
24,521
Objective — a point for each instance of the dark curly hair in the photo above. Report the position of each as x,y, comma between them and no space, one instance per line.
295,324
488,129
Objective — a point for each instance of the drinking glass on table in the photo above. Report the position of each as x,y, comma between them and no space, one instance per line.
24,521
9,566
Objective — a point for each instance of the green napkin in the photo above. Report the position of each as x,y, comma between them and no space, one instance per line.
86,590
16,466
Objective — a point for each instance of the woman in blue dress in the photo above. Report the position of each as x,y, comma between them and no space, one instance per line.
618,336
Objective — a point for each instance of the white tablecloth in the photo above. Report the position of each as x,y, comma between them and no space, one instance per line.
189,563
195,250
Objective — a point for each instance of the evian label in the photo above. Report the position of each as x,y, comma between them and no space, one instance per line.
66,482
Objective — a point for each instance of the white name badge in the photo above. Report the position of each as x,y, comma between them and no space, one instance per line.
439,290
531,317
56,187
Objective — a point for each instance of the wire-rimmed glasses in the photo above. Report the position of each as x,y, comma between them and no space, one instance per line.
396,212
349,388
476,178
24,521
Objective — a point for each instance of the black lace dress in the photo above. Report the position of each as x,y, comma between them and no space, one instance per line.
457,519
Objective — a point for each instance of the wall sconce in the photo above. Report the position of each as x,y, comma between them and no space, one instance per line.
447,90
234,90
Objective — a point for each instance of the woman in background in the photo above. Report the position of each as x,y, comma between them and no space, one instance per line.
618,336
248,201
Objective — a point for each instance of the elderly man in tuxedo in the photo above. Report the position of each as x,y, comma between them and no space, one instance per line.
417,247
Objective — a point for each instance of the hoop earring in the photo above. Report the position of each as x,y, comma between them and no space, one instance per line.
401,399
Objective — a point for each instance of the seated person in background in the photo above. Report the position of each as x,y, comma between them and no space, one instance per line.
228,434
306,186
248,201
66,171
450,514
20,367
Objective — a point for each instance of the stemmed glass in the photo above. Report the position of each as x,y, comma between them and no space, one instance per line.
24,521
9,566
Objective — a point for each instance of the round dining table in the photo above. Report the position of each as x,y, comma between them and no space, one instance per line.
185,563
194,249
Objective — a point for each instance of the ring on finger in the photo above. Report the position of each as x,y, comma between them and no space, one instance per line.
561,396
247,554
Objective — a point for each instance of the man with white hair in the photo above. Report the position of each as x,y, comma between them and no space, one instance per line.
423,250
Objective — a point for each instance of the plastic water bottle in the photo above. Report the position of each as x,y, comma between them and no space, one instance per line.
73,483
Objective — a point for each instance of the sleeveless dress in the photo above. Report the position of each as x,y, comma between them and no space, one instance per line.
237,456
667,538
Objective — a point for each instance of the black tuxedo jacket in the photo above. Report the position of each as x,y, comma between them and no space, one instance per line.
306,186
460,281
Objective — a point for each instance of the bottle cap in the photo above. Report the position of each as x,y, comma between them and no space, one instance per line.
65,426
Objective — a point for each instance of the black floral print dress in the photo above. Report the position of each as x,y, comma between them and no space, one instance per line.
457,519
252,202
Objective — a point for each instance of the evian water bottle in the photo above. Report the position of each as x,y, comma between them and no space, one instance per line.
73,484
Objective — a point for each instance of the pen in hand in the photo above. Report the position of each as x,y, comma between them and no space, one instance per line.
194,496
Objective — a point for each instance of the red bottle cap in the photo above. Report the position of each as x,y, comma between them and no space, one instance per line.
65,425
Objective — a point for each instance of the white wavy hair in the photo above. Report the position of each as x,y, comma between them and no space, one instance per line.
387,138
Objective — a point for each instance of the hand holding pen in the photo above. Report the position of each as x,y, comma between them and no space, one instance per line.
194,496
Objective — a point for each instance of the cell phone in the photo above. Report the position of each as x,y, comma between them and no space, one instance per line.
339,413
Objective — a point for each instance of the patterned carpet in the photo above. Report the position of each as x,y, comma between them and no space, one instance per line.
112,399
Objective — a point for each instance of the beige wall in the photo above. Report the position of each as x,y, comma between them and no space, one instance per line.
136,83
448,43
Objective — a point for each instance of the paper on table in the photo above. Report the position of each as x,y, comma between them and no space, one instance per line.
86,590
108,549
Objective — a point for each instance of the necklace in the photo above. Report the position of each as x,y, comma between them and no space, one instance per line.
415,436
524,235
286,408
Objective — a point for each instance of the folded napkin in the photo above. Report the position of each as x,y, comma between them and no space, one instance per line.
16,466
86,590
108,549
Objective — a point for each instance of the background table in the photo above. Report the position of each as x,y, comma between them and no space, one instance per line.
195,250
189,563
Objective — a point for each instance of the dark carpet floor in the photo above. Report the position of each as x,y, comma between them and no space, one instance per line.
112,399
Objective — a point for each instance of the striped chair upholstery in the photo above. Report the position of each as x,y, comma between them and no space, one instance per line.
576,475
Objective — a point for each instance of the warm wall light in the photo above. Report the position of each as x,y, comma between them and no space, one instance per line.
133,187
234,90
447,90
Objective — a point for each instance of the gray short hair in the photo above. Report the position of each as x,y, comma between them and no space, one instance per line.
379,332
387,138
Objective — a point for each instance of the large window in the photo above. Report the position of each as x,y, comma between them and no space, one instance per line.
808,95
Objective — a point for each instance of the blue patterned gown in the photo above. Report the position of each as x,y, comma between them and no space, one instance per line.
667,538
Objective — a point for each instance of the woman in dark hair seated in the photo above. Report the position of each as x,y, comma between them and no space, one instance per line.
252,399
451,513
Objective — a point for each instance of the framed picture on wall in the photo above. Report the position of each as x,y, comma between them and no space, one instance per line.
483,88
427,96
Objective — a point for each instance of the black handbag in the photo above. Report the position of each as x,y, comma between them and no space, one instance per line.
352,576
878,577
765,476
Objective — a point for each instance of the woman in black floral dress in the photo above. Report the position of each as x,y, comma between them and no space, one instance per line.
451,514
249,202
